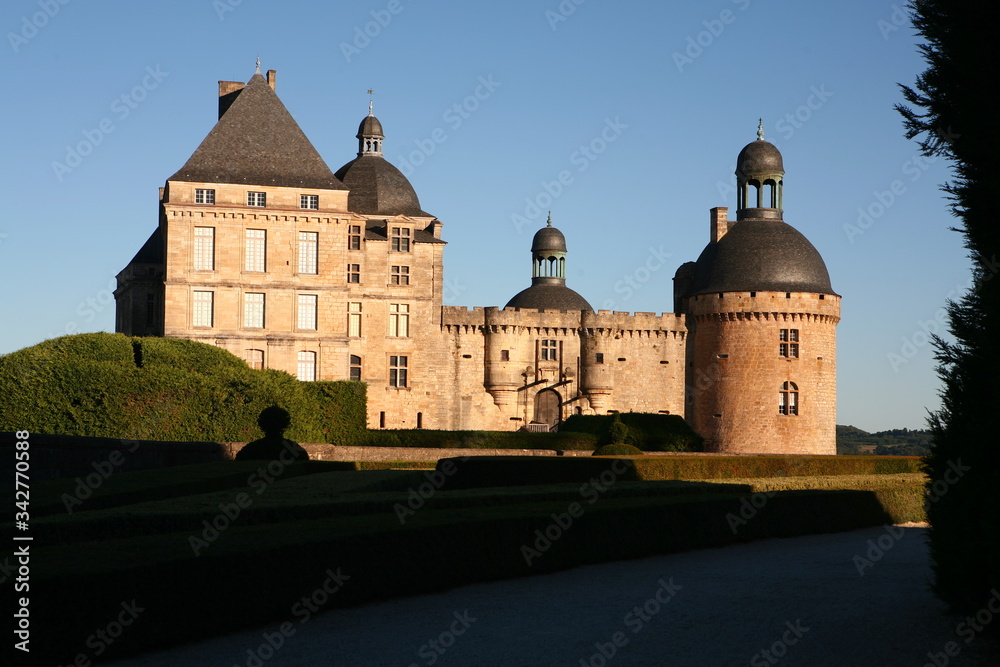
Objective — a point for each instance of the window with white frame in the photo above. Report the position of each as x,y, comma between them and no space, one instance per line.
204,248
204,196
309,252
354,319
354,237
254,358
788,399
355,368
549,350
354,273
788,345
202,310
253,310
399,319
307,312
397,371
256,199
255,252
400,239
310,202
400,275
307,366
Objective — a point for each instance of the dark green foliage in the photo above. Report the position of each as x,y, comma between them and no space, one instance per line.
723,467
618,449
428,438
111,385
894,442
948,116
649,432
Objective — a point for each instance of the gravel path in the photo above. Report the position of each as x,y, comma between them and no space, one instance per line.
799,601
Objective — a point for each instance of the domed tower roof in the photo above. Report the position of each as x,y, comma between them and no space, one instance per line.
376,186
548,275
760,251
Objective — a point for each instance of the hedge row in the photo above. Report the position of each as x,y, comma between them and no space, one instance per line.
647,431
724,467
112,385
432,439
256,574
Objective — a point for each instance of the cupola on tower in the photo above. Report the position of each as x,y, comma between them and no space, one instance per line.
764,317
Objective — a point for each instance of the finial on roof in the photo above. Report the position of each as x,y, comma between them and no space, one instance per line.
258,64
760,128
549,223
371,101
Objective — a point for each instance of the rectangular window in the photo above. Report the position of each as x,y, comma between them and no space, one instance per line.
309,252
400,275
400,239
150,310
355,368
253,311
203,311
548,350
310,202
354,273
397,371
307,312
254,359
789,343
202,196
504,355
399,319
256,249
354,319
307,366
256,199
204,248
354,237
598,357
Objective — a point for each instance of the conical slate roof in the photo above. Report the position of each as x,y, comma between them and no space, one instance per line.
257,142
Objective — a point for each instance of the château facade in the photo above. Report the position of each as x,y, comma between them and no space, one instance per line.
262,250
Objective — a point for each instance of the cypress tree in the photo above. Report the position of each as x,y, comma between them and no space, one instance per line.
949,114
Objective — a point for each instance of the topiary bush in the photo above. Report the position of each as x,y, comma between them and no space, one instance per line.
649,432
618,449
116,386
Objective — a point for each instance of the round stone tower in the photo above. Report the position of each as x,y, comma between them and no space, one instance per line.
763,358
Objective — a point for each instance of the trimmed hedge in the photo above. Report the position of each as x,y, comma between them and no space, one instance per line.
618,449
725,467
433,439
649,432
112,385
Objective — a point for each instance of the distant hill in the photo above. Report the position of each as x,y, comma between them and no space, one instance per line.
898,441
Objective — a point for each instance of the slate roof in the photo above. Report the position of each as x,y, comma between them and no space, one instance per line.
765,255
554,296
257,142
378,188
375,231
151,251
759,157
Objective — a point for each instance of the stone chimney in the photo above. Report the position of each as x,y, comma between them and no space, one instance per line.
719,222
228,90
272,77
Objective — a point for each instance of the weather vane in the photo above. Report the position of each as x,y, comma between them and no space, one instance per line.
371,101
258,64
760,128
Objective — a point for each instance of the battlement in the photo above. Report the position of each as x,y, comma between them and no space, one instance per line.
766,305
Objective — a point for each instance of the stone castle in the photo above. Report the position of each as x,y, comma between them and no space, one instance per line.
262,250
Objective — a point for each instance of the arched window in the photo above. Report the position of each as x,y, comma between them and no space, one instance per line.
254,358
307,366
355,368
788,399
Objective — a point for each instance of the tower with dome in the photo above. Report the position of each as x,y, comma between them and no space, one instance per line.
263,250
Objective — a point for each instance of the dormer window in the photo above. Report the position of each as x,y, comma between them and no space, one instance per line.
401,239
204,196
257,199
310,202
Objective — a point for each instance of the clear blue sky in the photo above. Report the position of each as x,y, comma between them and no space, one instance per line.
484,106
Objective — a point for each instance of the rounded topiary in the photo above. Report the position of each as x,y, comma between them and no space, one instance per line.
618,433
618,449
